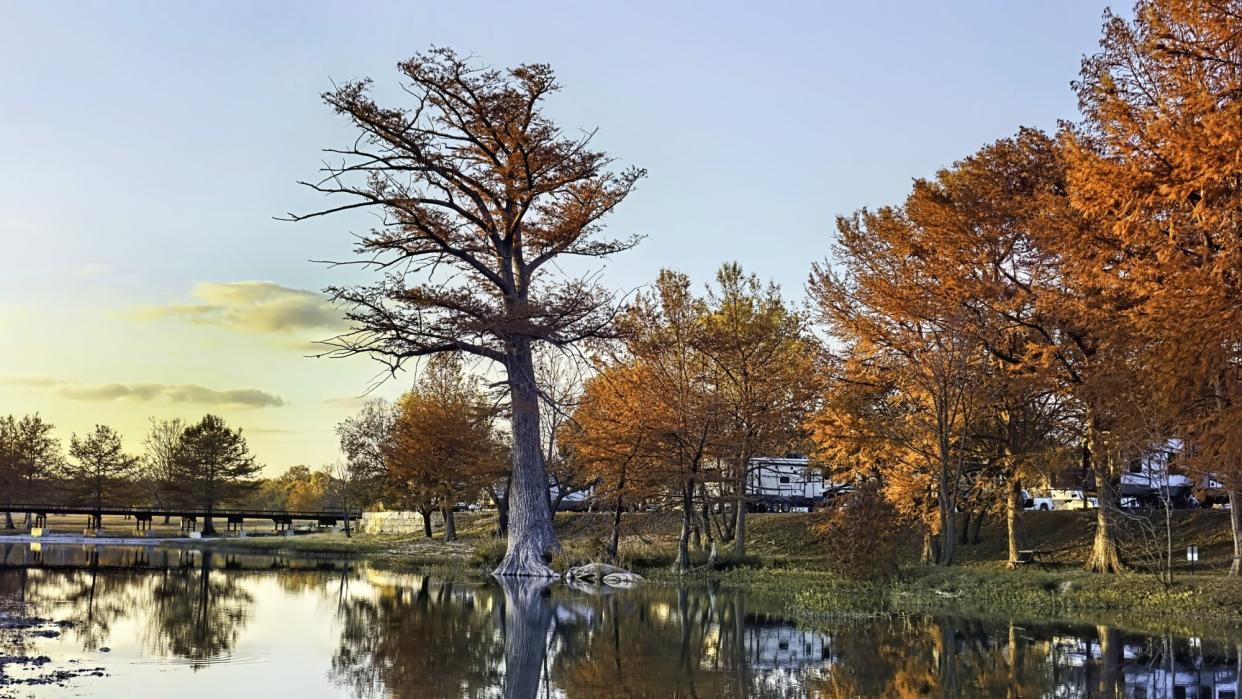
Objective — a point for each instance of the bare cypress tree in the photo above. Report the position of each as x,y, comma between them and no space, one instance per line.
478,196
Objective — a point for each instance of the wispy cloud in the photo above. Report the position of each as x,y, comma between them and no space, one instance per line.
29,381
255,307
148,392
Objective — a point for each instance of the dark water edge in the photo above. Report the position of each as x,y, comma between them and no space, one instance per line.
193,623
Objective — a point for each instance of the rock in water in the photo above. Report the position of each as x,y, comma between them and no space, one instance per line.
601,572
622,579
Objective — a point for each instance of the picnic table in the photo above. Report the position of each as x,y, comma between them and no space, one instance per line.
1040,557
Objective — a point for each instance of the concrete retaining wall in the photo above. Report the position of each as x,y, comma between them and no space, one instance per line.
394,522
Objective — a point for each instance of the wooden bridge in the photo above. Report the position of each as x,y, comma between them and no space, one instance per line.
190,516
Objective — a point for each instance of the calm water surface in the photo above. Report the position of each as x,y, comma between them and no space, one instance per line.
188,624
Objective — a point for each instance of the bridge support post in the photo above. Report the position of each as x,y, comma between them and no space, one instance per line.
92,526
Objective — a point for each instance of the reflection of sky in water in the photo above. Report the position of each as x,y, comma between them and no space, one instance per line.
262,624
282,640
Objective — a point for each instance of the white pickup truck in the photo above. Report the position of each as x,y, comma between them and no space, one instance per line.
1041,504
1059,500
1073,500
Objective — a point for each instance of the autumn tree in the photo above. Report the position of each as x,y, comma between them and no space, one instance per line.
299,488
988,234
613,441
1026,430
99,467
443,447
994,243
913,381
762,361
480,195
213,464
1155,159
29,454
664,330
309,491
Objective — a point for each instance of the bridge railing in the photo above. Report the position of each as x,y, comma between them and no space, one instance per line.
179,511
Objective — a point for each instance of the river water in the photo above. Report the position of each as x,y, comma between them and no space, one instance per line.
167,622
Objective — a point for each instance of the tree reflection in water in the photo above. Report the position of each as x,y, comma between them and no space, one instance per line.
197,613
409,635
507,639
421,638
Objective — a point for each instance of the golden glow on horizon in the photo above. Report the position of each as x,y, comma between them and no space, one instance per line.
237,349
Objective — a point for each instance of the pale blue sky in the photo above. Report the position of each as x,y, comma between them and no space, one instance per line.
147,146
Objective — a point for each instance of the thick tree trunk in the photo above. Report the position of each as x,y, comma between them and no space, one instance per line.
739,529
976,528
929,553
709,522
532,541
209,529
1105,556
948,520
1013,519
963,535
614,539
1235,520
739,526
687,523
426,514
8,519
450,524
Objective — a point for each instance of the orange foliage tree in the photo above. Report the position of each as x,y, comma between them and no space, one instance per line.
912,384
664,330
613,440
443,448
992,233
1156,160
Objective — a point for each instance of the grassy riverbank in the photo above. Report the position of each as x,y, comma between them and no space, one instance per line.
786,559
